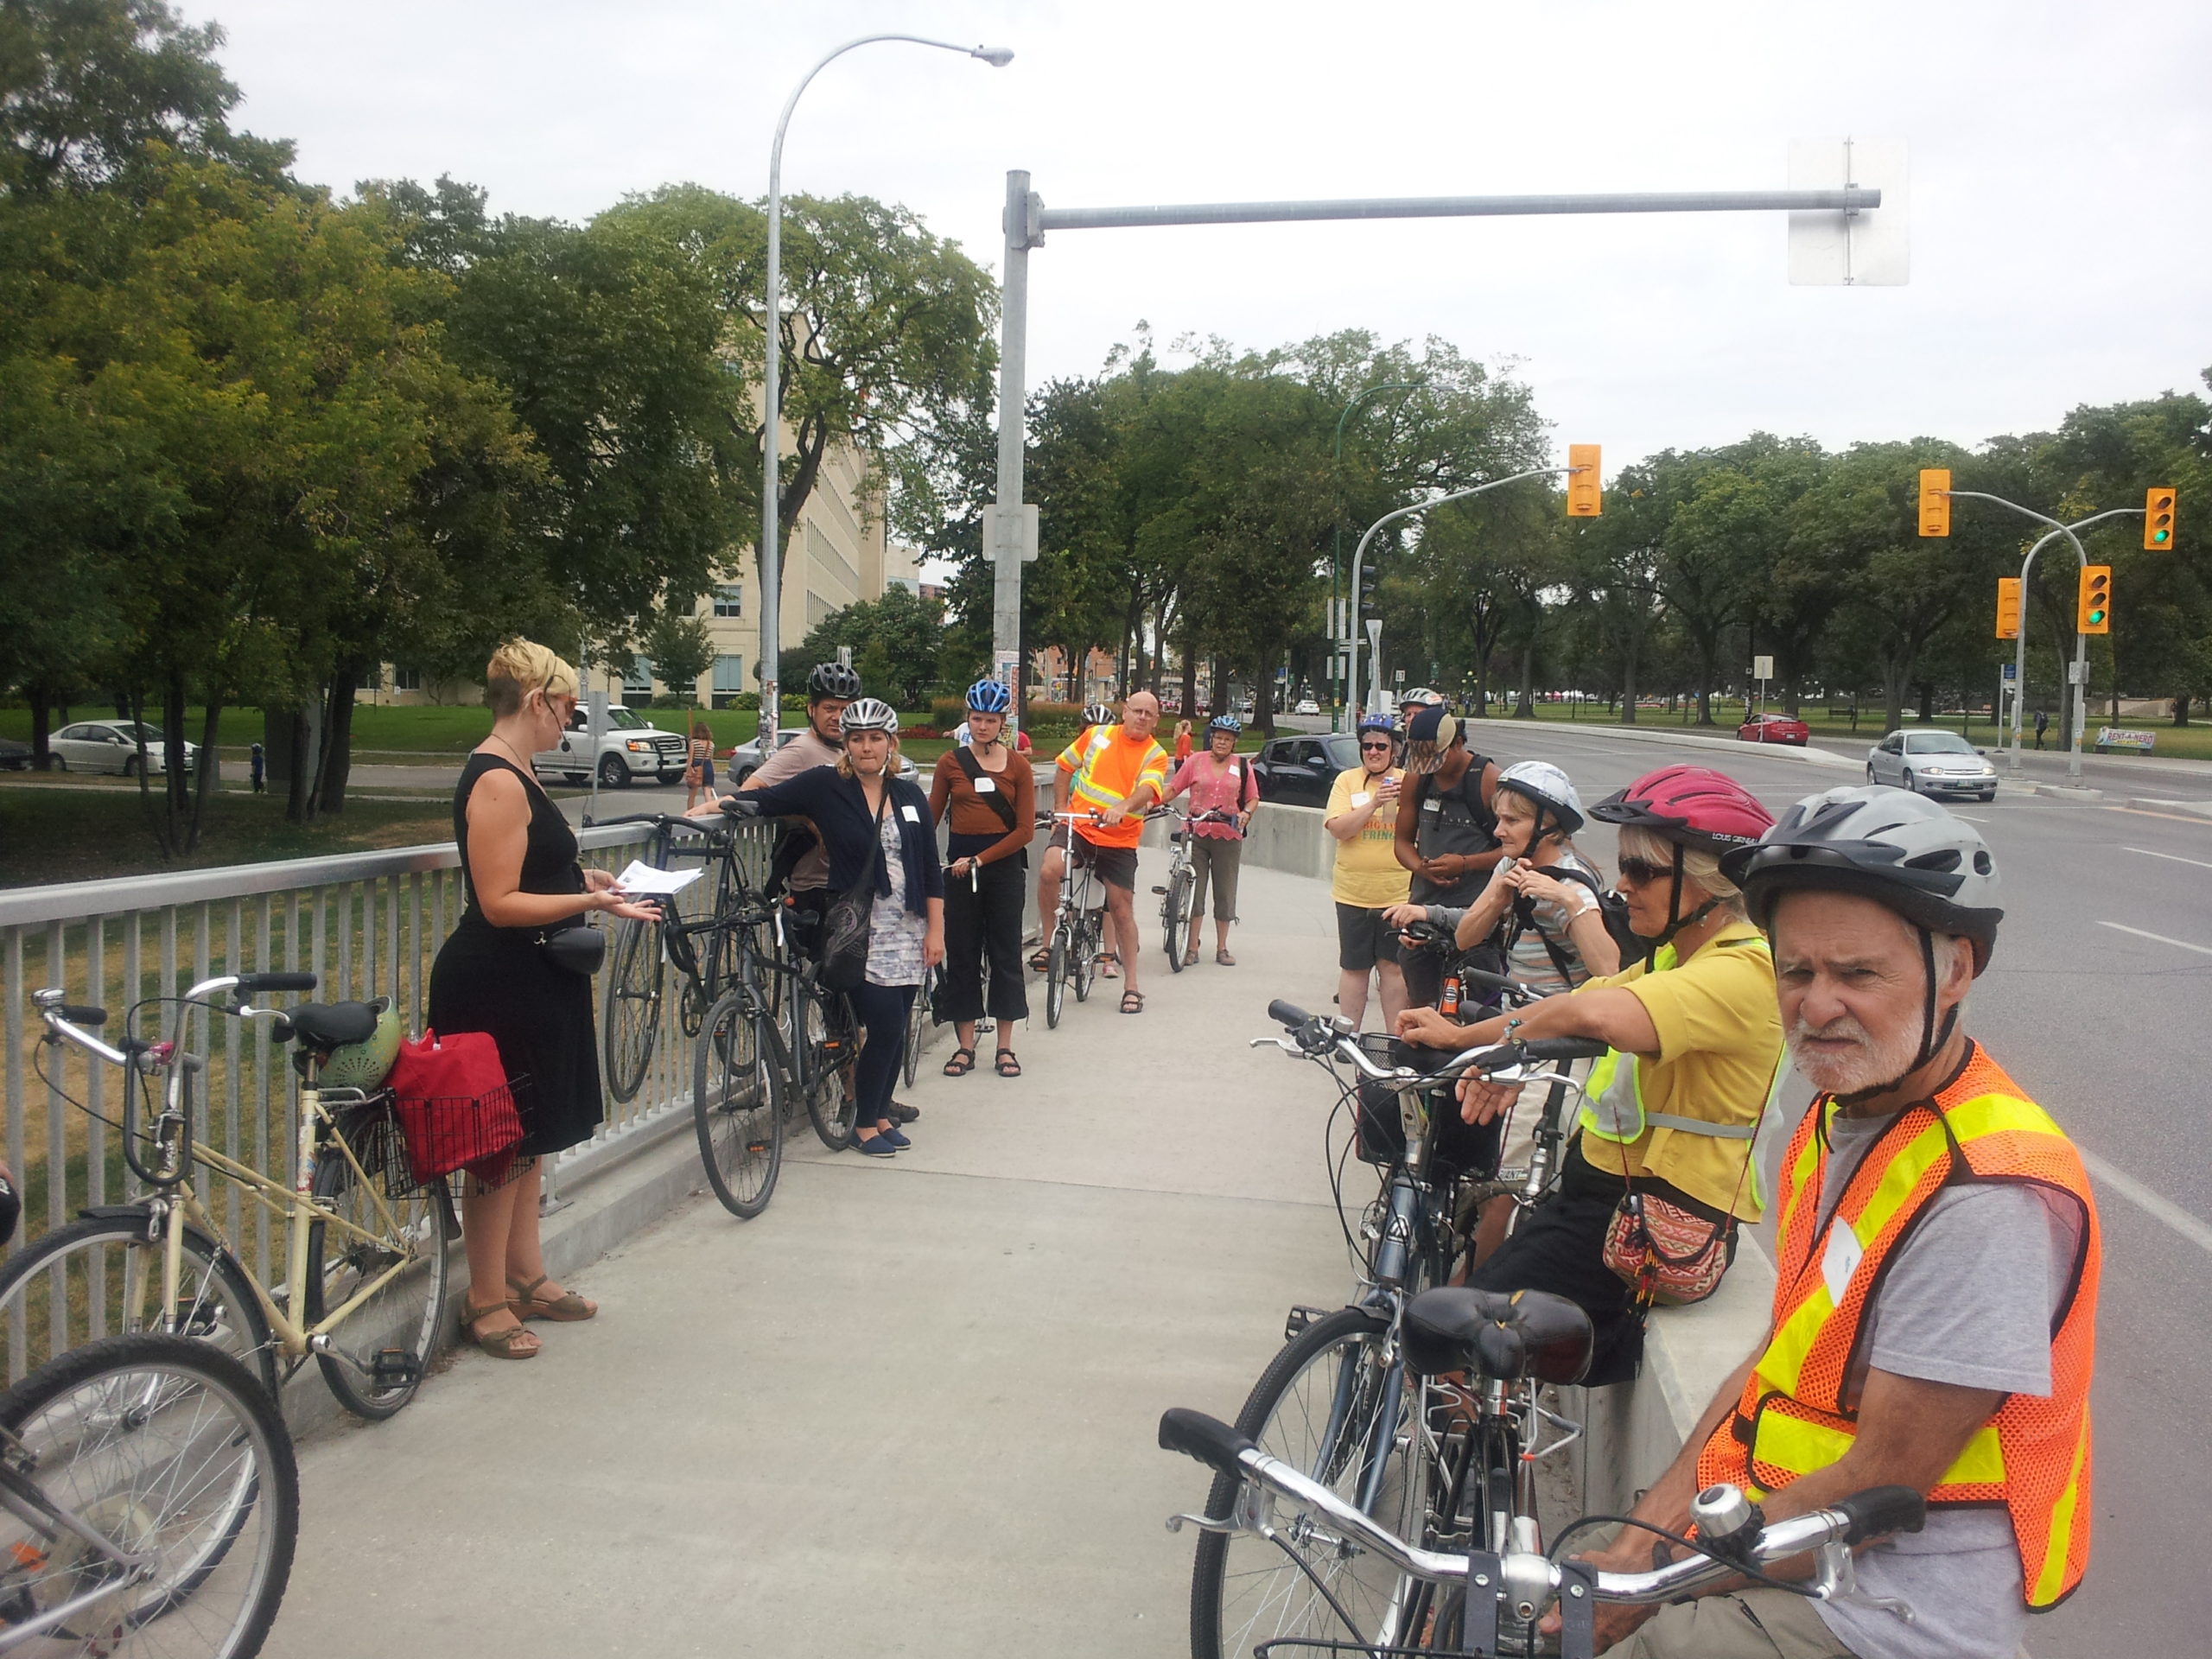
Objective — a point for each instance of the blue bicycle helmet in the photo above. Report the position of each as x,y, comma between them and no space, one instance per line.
1228,723
989,697
1381,723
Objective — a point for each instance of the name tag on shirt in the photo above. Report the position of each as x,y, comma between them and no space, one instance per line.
1361,800
985,786
912,814
1841,1260
1432,804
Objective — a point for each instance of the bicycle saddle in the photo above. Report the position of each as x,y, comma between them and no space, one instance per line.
324,1026
1506,1334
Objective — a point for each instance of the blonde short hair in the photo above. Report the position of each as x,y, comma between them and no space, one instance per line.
519,667
1700,869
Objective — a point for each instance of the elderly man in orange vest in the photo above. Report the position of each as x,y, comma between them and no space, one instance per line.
1935,1312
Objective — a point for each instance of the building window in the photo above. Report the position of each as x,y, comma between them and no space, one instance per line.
406,679
638,676
729,679
372,678
729,599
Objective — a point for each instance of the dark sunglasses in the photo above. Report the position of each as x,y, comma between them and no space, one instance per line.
1637,871
1383,747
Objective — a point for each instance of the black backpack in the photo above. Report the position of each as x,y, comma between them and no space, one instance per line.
1612,909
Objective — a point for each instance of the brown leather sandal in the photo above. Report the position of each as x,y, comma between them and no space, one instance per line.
513,1343
565,1309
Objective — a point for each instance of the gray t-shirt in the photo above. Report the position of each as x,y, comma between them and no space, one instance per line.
1969,1299
802,753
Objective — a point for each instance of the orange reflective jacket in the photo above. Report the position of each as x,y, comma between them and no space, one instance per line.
1795,1416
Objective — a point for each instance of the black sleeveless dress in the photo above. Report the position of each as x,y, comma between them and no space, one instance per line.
497,979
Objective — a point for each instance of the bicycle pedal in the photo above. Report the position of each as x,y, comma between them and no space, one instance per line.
1162,891
1300,1318
392,1367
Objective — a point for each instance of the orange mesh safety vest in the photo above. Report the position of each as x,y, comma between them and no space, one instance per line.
2033,1455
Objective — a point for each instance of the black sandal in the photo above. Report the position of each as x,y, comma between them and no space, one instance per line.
1132,1002
1006,1065
962,1061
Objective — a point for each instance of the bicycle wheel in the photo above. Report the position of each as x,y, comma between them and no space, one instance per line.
1083,959
823,1062
737,1105
102,1277
1056,975
1332,1404
917,1026
1175,915
629,1016
165,1446
377,1355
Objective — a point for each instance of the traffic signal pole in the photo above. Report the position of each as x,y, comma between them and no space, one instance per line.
2078,714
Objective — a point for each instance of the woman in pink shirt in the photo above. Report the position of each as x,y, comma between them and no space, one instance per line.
1220,780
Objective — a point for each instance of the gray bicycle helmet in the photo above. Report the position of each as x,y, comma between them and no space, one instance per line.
1098,713
1898,848
364,1064
1550,789
832,680
870,715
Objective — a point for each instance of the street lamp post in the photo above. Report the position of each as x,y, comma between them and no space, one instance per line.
1337,555
1359,553
772,572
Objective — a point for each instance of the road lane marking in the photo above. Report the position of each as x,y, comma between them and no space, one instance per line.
2177,857
2178,944
1970,819
2157,1205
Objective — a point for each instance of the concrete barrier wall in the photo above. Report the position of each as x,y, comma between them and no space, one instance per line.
1632,1430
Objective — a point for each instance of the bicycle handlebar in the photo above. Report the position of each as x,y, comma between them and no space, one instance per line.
1532,1581
1317,1037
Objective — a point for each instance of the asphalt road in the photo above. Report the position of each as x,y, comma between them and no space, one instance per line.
2097,1003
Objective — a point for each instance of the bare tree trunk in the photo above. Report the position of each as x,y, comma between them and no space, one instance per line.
1628,679
42,709
210,726
338,736
1526,710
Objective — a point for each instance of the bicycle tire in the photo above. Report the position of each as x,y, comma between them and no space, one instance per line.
215,1298
1245,1591
378,1356
1056,977
824,1050
1175,915
629,1015
132,1412
1083,959
918,1024
737,1106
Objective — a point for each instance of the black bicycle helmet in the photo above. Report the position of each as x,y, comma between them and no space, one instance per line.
832,680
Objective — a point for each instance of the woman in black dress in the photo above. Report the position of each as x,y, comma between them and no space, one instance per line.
519,863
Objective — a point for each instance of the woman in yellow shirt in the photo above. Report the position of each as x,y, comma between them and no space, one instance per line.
1363,818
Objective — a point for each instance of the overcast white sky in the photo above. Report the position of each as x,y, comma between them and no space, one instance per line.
2048,140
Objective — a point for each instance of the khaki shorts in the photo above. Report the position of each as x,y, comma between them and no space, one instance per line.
1756,1623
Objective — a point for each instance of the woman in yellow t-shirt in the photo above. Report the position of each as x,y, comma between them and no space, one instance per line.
1362,816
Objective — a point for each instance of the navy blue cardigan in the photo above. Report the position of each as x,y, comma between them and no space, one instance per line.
840,813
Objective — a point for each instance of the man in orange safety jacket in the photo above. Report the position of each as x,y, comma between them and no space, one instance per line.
1934,1311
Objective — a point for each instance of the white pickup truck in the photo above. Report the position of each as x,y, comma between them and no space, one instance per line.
630,748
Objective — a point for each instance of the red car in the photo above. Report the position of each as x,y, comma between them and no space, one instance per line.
1775,729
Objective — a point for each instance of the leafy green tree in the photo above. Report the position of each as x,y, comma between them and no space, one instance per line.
894,641
682,648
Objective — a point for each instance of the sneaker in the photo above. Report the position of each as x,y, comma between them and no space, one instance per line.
877,1145
902,1113
891,1138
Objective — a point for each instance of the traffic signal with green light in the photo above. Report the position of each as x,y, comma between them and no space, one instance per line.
2008,607
2158,518
1935,501
2093,605
1585,493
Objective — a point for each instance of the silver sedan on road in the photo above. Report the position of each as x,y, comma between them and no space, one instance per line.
1932,763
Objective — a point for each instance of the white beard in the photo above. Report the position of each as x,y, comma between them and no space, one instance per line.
1868,1065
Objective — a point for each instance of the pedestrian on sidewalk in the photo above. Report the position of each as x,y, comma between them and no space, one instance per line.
1447,829
699,775
1368,880
258,767
1220,782
877,829
2043,724
522,879
989,796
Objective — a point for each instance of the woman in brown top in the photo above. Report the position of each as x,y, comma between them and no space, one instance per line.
991,795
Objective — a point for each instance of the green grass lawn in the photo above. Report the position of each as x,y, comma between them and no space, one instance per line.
87,834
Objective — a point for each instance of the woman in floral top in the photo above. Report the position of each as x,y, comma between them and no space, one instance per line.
1220,780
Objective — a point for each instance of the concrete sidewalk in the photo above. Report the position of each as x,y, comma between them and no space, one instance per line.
912,1408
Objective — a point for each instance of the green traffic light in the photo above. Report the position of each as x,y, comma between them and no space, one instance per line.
2097,616
2161,537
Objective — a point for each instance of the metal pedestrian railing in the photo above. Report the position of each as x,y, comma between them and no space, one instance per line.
366,925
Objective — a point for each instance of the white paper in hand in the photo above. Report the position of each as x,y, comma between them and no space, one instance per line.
643,880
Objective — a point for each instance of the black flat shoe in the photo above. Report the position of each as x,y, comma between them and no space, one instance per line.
902,1113
877,1145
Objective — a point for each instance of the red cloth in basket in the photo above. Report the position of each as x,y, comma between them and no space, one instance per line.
455,1106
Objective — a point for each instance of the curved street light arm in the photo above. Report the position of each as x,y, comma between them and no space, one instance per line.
1336,538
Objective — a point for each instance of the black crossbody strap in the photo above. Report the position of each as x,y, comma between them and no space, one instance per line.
964,758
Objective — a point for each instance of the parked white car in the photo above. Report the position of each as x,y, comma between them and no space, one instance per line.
1932,763
631,749
112,746
1306,706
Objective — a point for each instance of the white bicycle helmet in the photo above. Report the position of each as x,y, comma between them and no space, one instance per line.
870,715
1550,789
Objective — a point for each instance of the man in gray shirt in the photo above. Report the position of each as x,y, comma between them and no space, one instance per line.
828,688
1936,1314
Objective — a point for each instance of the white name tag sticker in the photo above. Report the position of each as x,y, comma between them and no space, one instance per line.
1432,804
1839,1261
912,814
985,786
1361,800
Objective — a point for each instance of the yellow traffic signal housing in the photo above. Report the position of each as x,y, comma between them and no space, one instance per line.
1934,501
1585,494
2092,607
2008,607
2158,518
